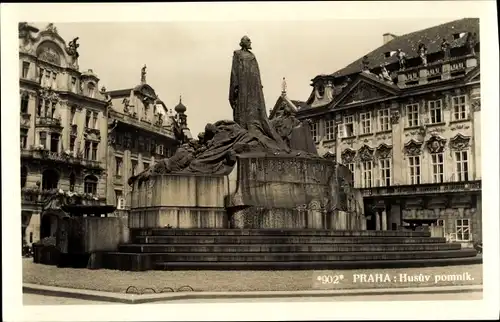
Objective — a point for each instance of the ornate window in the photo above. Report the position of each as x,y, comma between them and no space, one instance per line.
384,120
330,129
95,124
347,128
160,149
145,165
54,142
412,115
385,166
414,165
50,179
366,172
437,162
459,107
87,154
24,138
88,118
90,184
315,131
95,146
26,69
462,165
462,229
43,139
120,201
366,122
24,176
436,111
118,166
73,84
72,144
24,103
90,89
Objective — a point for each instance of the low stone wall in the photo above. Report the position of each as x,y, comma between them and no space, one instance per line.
103,233
179,201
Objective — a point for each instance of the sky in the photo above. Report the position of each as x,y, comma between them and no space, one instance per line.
193,59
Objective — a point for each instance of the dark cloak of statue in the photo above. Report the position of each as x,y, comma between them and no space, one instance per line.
214,153
247,98
296,134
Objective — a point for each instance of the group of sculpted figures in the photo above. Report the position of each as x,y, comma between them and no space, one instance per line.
215,150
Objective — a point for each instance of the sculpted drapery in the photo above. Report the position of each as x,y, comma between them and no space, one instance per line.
247,98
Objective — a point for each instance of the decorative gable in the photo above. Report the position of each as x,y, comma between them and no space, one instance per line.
436,144
460,142
413,147
384,151
365,153
347,156
363,91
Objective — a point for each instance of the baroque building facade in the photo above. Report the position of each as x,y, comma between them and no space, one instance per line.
405,119
63,124
142,130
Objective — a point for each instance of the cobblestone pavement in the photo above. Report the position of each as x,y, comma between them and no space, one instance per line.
34,299
219,281
351,298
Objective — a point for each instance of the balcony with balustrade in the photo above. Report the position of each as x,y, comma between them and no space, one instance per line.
423,189
155,126
436,71
48,121
61,158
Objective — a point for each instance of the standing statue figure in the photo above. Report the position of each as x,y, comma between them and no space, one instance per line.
143,75
402,59
422,52
72,48
247,98
445,48
471,42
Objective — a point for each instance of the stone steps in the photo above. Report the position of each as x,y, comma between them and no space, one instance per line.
233,239
275,232
302,256
226,249
280,248
318,265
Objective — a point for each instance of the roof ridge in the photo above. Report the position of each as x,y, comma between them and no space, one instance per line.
435,26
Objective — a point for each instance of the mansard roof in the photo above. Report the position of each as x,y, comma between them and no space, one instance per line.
408,43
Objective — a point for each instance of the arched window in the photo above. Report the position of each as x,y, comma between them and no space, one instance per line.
91,89
50,179
24,176
90,184
72,180
24,103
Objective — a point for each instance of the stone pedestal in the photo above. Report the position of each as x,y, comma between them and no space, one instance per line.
377,221
179,201
284,192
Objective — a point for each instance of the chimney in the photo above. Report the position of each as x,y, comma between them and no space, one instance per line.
388,37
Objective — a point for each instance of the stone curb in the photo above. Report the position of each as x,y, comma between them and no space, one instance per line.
148,298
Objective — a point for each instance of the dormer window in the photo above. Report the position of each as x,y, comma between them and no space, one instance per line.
73,84
90,89
321,89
